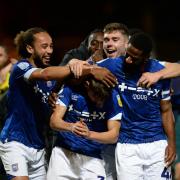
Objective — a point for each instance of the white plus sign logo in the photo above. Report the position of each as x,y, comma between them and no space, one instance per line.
122,86
94,115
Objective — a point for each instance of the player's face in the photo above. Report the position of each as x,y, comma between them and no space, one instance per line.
43,49
114,44
3,57
134,57
95,42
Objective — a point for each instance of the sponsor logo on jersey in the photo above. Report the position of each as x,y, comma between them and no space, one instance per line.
88,117
142,93
119,100
154,92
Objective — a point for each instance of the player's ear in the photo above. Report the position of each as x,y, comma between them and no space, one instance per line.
29,49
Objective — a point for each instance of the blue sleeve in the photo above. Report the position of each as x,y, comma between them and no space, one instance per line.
21,69
64,96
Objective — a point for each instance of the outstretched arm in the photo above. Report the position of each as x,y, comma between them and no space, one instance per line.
171,70
51,73
77,68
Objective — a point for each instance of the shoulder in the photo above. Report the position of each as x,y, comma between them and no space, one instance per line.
155,65
23,69
110,61
22,64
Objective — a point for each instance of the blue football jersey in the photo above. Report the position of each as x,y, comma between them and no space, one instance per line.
79,106
141,121
27,107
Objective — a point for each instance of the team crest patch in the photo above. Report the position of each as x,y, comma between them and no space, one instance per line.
49,83
74,97
15,167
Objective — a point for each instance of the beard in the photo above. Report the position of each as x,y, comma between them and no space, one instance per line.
39,62
133,68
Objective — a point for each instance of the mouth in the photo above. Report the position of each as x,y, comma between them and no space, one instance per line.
109,51
47,58
46,61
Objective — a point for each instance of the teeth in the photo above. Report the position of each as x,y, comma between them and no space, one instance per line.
110,50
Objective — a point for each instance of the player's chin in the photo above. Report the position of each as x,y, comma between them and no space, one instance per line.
46,63
112,55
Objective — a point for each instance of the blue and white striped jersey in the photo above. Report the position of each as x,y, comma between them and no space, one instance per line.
141,121
79,106
27,107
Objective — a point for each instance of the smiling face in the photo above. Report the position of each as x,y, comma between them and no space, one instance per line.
115,43
42,49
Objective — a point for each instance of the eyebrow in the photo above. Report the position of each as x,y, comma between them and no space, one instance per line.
128,55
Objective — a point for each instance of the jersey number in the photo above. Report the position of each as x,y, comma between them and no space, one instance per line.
101,177
166,174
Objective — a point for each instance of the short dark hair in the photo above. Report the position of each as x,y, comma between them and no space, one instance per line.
116,27
142,41
133,31
97,30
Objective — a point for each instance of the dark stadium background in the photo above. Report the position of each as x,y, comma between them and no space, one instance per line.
70,21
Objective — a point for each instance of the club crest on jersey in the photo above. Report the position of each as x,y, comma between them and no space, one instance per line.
15,167
49,83
74,97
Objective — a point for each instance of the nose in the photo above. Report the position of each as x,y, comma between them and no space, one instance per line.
50,50
99,45
109,43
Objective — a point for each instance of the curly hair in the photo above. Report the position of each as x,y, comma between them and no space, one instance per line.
24,38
